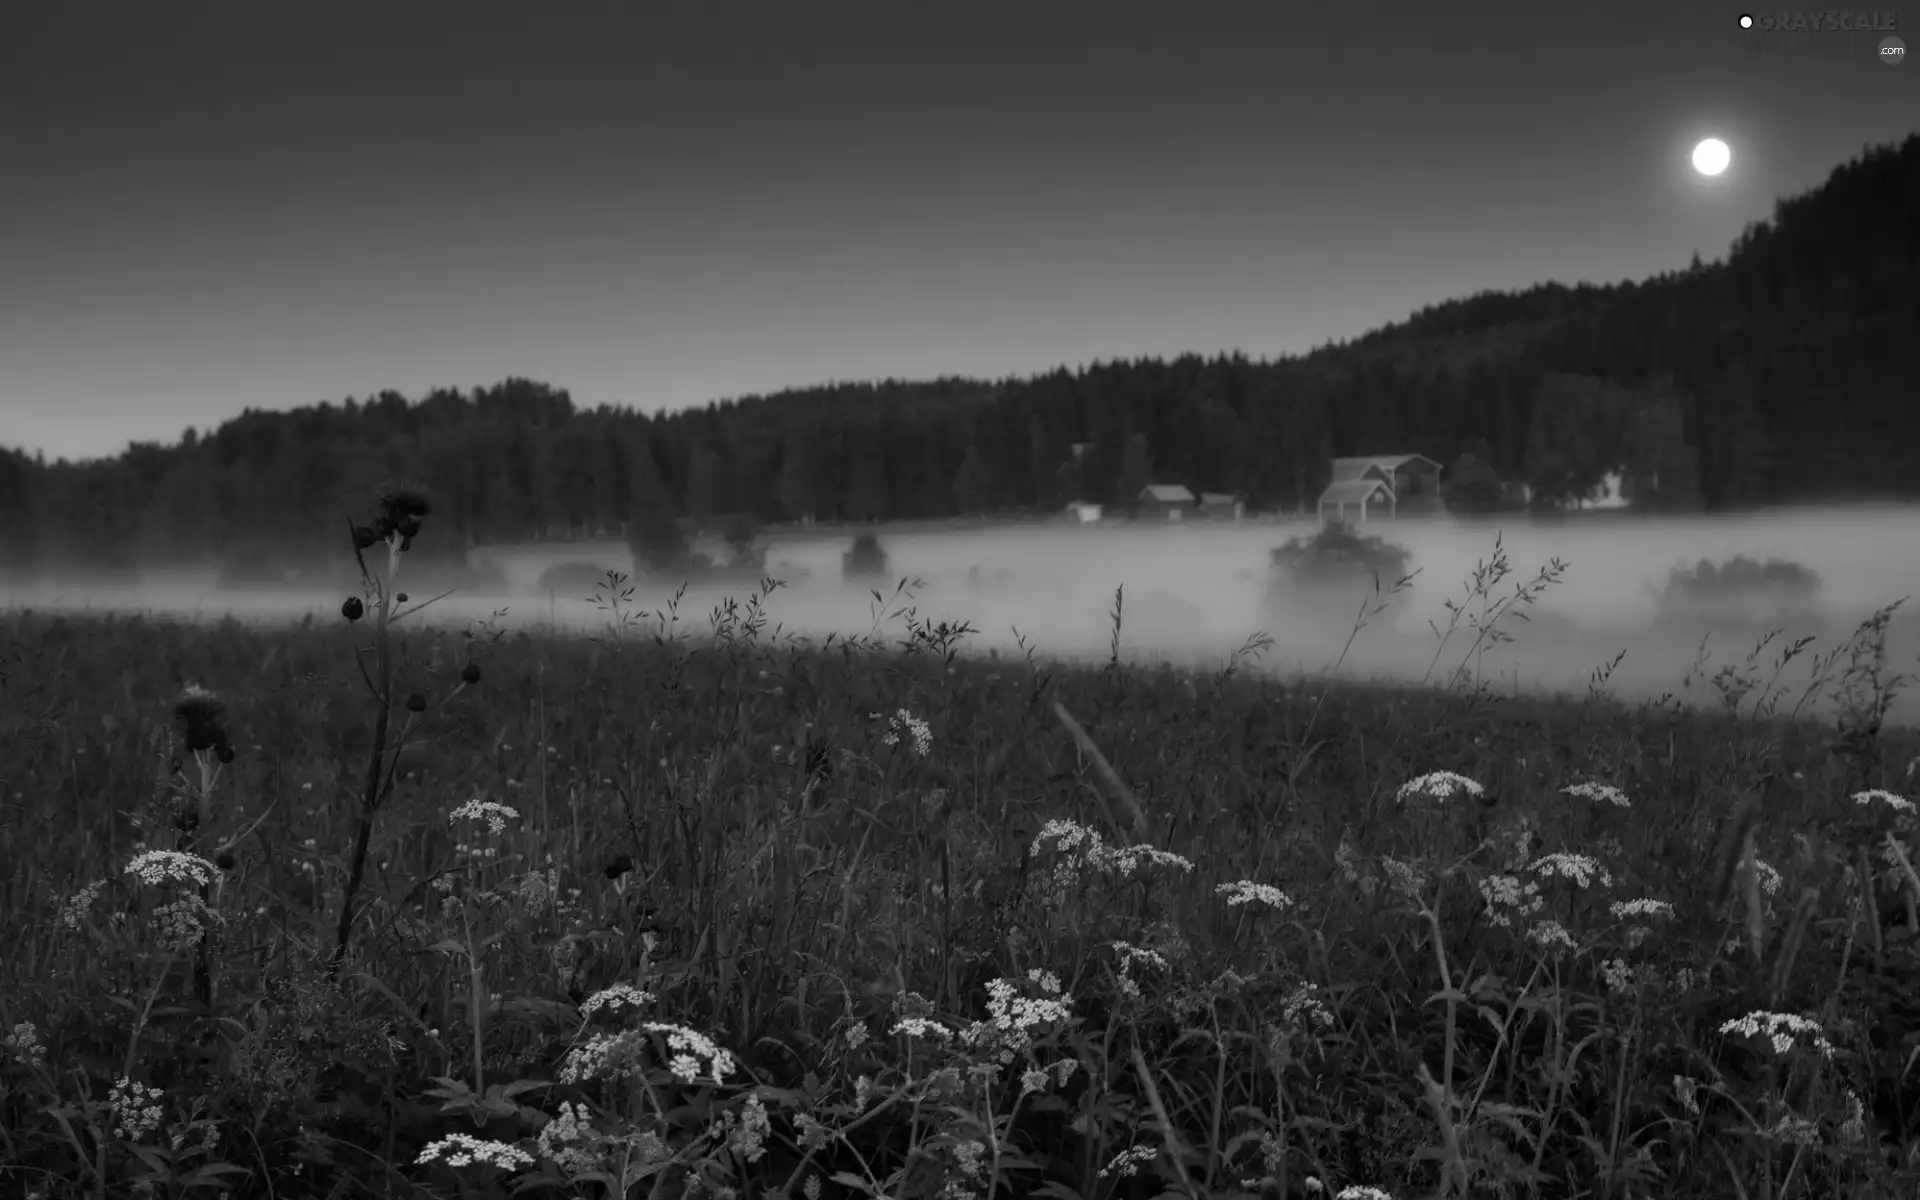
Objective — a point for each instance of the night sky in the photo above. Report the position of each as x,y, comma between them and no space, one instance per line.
664,204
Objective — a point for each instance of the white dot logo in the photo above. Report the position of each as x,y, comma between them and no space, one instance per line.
1746,21
1893,51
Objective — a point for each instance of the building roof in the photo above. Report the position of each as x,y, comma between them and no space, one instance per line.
1167,493
1353,468
1353,491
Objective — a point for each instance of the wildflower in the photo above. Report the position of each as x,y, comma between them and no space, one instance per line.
25,1045
1782,1029
1508,900
1362,1192
1070,837
1577,867
1034,1079
1899,804
1770,881
181,925
1599,793
1622,909
73,913
693,1047
1127,1162
1617,975
904,723
495,815
614,998
1304,1007
135,1108
1551,935
1440,785
352,608
748,1138
570,1141
204,715
1406,878
1687,1088
921,1027
1248,892
462,1150
156,867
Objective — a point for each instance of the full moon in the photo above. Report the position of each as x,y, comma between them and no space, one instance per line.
1711,156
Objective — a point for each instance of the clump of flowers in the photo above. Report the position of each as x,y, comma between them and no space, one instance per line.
1598,793
1784,1030
24,1044
135,1108
609,1056
74,909
1246,891
160,867
463,1150
1441,785
1084,848
904,725
493,815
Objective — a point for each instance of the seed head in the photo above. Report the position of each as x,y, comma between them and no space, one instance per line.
405,498
352,609
223,752
416,703
470,674
364,536
400,598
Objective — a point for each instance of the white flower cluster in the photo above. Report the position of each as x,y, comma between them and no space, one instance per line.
1013,1018
73,911
1899,804
614,998
1127,1162
494,815
1782,1029
157,867
1598,793
1509,901
1441,785
135,1107
570,1140
1582,870
181,925
1246,891
1622,909
463,1150
25,1045
1087,848
903,724
1129,955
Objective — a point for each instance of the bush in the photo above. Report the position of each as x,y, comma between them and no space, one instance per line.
1332,568
866,561
1741,591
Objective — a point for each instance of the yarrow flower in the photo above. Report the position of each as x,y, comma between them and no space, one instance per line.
1622,909
158,867
1899,804
1577,867
25,1045
614,998
1085,847
135,1107
1246,891
462,1150
73,911
1127,1162
904,724
494,815
1784,1030
1441,785
1599,793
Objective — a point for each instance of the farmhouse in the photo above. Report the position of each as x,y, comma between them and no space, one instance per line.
1165,501
1355,501
1222,506
1411,484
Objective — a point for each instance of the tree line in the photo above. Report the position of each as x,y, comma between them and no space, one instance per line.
1777,374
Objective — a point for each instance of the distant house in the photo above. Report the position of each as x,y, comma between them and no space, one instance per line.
1086,514
1222,506
1165,502
1412,482
1356,501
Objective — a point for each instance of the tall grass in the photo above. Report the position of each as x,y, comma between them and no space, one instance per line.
721,911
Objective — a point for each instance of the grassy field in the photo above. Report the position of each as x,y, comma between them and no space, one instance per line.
348,907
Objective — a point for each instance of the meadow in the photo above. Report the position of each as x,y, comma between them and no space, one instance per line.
686,901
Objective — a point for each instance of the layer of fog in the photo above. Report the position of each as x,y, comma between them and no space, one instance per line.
1194,592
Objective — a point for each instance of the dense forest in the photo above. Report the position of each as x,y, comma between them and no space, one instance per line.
1775,375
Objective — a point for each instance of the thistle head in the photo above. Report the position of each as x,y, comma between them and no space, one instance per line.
204,716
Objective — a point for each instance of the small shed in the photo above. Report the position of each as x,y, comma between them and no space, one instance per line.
1084,513
1355,501
1165,501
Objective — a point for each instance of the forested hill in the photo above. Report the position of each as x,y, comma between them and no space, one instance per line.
1783,372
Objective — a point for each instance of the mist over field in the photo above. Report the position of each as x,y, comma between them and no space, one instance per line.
1193,593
